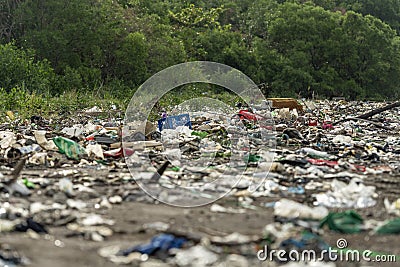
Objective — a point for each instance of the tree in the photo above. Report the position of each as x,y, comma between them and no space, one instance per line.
330,53
386,10
131,59
75,34
7,21
18,68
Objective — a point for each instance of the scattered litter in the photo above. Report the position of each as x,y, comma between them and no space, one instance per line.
291,209
324,160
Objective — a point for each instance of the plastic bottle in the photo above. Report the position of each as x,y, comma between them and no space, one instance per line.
68,147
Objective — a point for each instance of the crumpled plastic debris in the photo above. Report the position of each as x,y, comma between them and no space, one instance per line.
195,256
344,222
160,243
353,195
7,139
74,131
94,150
48,145
291,209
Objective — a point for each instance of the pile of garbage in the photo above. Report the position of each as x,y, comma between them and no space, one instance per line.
318,167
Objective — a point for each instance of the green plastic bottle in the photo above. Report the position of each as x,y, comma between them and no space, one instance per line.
69,147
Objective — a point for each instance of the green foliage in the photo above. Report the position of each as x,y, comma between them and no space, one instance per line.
386,10
193,16
26,104
19,68
108,48
329,53
131,59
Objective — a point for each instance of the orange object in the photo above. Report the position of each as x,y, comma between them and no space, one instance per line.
290,103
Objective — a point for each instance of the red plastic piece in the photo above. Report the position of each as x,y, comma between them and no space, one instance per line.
245,114
321,162
119,153
327,125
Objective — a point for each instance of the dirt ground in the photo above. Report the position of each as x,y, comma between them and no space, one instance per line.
130,216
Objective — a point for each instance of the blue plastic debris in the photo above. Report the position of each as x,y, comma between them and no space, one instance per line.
296,190
162,242
160,123
171,122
